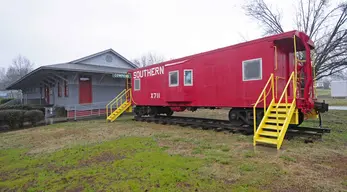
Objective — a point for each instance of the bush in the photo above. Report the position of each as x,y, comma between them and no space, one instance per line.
2,101
34,116
23,107
12,118
60,111
18,107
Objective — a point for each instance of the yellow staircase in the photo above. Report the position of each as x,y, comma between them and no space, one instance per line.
277,115
119,105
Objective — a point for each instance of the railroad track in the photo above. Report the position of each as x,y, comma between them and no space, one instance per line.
224,125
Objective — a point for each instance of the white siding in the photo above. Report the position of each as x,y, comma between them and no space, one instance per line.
339,88
102,61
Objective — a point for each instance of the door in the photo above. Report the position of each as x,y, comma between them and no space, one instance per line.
46,89
85,90
281,71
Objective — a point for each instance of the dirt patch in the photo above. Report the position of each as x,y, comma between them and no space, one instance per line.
4,176
58,169
177,147
104,157
76,189
323,171
183,184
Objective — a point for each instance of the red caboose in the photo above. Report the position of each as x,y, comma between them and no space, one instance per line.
270,78
230,77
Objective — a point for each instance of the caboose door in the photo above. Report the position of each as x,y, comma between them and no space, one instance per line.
281,71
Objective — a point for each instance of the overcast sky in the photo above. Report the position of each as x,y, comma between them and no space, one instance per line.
49,32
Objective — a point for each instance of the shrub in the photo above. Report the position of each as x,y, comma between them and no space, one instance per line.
60,111
2,101
18,107
34,116
13,117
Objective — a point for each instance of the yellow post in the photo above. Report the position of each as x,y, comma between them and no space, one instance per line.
296,69
272,87
265,102
276,64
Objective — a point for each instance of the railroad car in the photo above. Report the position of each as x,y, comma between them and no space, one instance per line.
265,83
230,77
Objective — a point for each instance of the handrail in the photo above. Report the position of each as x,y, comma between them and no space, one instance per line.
271,79
314,81
284,94
120,98
276,64
111,102
296,62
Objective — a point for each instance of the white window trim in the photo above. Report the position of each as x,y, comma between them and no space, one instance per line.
178,78
184,77
261,69
139,80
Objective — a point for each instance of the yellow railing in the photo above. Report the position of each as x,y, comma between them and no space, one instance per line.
264,95
285,95
118,101
276,64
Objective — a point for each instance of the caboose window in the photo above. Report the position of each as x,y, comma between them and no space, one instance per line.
252,70
137,84
173,78
188,77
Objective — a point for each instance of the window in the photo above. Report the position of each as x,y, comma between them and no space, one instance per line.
59,90
173,79
252,69
188,77
137,85
66,89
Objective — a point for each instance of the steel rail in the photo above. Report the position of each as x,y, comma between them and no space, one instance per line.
225,125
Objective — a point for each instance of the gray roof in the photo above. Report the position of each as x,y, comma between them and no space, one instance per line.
102,52
72,66
85,68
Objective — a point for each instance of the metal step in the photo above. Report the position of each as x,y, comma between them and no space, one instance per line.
279,109
269,133
266,140
281,105
272,127
280,121
280,115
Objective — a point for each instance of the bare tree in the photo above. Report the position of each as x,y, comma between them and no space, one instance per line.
148,59
324,24
20,66
341,75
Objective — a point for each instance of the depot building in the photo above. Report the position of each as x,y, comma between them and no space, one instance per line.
88,82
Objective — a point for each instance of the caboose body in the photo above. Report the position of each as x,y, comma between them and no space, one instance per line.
267,83
229,77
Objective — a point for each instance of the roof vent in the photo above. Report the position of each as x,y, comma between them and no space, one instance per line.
108,58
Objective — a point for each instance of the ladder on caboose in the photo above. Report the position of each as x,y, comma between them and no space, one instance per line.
277,116
120,104
280,113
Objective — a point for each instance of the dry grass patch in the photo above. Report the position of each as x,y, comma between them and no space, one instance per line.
228,159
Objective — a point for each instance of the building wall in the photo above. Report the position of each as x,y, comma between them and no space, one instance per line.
104,87
107,59
32,93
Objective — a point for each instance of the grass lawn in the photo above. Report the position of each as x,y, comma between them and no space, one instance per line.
325,94
136,156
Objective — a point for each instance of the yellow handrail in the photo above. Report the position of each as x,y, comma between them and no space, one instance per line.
314,80
285,94
120,98
276,64
271,79
112,101
296,62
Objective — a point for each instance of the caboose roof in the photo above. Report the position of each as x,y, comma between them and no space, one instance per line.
286,35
